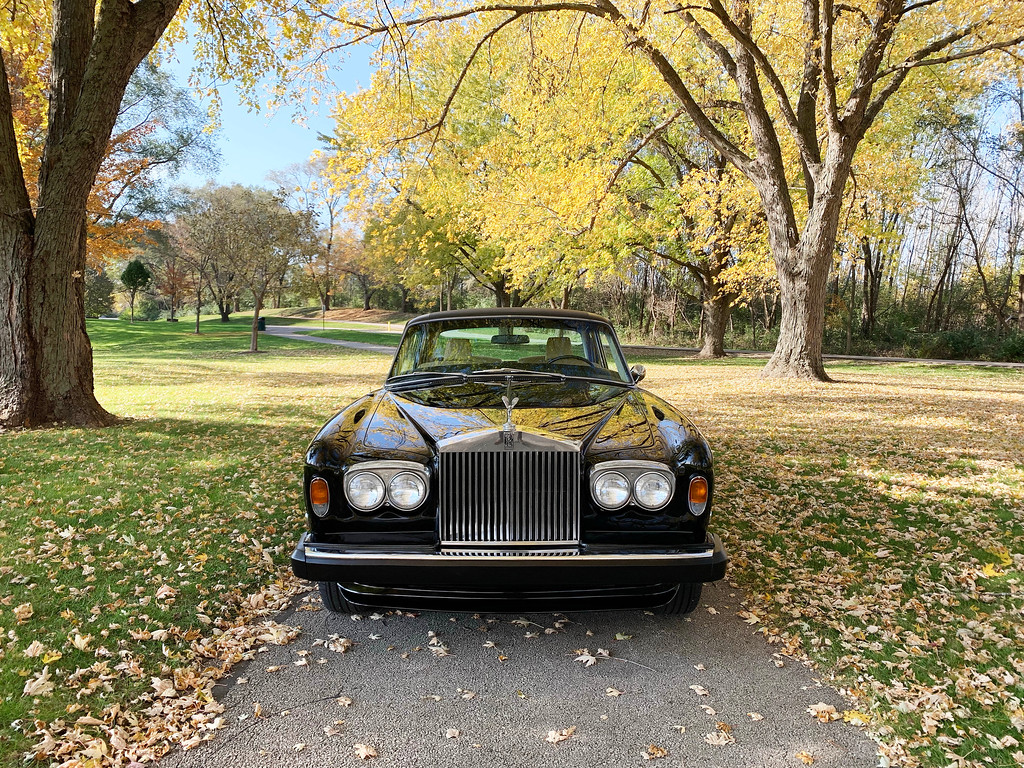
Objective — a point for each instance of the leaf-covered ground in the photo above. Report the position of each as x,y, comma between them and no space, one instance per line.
877,523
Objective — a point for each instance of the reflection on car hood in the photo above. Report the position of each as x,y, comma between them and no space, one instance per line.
620,424
619,418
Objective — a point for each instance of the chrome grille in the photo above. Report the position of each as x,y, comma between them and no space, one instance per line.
521,497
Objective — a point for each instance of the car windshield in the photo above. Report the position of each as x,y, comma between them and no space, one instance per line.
542,346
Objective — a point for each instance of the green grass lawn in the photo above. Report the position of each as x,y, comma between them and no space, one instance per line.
877,525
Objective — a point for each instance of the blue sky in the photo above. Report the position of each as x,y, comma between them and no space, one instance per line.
252,144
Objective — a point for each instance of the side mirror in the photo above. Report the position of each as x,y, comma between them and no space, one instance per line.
638,372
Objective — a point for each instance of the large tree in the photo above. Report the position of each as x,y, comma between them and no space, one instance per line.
809,79
45,356
72,60
307,189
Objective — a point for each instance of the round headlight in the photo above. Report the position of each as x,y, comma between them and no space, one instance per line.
364,490
652,490
407,490
611,490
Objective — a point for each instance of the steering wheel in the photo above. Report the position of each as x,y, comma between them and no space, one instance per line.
571,357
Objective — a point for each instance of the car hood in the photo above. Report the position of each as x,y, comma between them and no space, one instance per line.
616,424
619,418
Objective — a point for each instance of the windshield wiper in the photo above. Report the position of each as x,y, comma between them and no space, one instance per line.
515,372
518,372
419,378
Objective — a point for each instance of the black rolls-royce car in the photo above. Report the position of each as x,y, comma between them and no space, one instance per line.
510,462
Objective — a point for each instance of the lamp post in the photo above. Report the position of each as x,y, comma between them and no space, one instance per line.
323,310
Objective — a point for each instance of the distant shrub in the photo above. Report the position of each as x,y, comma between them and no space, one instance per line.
1011,349
145,309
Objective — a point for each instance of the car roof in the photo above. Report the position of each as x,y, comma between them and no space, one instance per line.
508,312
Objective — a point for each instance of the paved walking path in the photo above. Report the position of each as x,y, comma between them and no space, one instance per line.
707,689
288,331
292,332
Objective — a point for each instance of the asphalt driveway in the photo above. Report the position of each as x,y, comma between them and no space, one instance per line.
437,690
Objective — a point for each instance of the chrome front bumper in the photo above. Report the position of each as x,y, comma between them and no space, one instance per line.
429,568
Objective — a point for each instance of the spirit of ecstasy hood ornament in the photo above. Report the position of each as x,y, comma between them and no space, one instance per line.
510,403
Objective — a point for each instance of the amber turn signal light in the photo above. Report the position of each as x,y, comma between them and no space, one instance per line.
698,496
319,496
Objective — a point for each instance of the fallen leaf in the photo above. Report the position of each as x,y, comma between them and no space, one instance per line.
824,712
989,570
719,738
345,701
364,751
755,716
700,690
612,692
40,685
654,752
806,757
452,733
34,649
554,737
853,717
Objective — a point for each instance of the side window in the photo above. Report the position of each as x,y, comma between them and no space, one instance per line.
408,355
612,355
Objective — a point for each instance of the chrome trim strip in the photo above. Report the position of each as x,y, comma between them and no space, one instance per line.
503,543
447,557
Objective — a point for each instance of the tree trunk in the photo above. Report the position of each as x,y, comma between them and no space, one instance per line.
803,261
798,351
254,338
714,319
873,267
199,306
1020,302
46,372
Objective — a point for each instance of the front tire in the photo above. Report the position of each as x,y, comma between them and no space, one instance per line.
685,601
334,600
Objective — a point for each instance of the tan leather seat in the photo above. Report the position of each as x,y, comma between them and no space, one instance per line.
558,346
457,351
